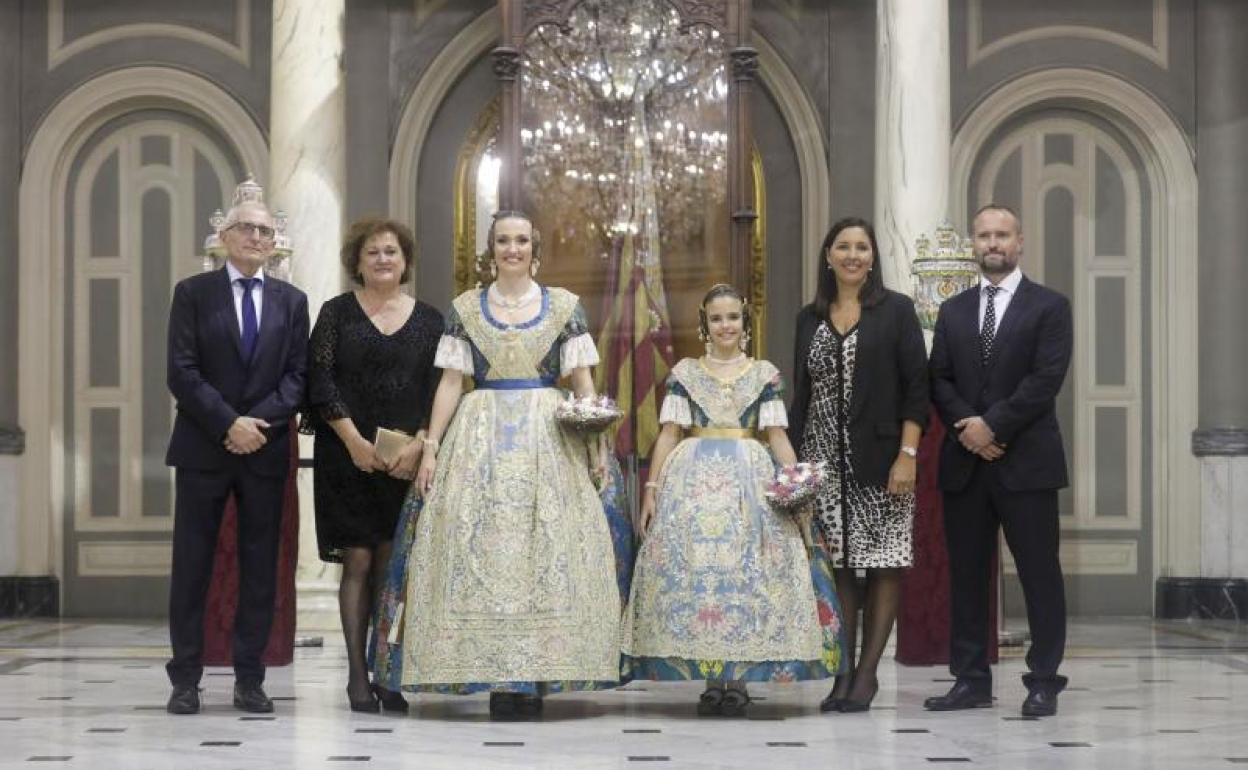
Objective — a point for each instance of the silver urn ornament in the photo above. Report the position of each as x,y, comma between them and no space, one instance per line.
249,191
941,271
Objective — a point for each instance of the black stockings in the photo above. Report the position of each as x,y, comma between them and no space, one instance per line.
362,571
879,612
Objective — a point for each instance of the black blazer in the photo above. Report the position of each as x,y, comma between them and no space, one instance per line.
211,383
1015,391
890,383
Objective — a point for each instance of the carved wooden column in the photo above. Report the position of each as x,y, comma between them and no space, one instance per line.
507,70
744,65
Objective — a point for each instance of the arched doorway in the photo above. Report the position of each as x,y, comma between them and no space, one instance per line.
1104,182
118,184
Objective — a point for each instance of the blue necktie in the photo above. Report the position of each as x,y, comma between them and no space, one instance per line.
251,328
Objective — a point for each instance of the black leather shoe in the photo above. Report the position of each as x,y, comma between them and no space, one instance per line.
528,706
1040,703
251,698
961,696
710,702
183,700
735,702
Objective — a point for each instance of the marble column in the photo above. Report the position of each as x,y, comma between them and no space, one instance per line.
1221,440
912,143
307,179
912,129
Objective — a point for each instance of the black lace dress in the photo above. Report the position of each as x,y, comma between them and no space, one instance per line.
377,380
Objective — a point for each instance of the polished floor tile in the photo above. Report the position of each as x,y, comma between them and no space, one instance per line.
1144,694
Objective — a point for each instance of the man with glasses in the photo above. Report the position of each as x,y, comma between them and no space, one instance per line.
237,363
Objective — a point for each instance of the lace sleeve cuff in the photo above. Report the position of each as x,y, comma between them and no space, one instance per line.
771,414
454,353
676,410
577,352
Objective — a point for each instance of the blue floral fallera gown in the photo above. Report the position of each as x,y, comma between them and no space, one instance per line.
725,587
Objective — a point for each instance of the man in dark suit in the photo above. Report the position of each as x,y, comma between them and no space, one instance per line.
237,363
999,356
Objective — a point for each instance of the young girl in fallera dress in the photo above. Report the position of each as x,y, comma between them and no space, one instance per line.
725,588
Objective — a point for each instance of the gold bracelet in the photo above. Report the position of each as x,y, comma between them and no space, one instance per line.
652,485
432,442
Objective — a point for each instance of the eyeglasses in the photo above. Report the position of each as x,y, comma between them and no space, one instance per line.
248,228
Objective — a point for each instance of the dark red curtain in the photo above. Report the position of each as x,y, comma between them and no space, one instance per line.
923,619
223,594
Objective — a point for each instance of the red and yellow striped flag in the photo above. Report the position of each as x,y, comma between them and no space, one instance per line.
635,347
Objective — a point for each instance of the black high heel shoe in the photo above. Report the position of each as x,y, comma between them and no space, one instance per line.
367,705
389,699
851,706
831,703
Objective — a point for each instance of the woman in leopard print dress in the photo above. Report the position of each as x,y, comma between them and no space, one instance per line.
860,403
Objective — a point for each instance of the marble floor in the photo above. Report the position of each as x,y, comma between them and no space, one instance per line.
1144,694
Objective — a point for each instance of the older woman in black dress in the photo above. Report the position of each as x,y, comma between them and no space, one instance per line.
860,401
370,367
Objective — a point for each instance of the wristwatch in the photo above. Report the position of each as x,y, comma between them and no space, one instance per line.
912,451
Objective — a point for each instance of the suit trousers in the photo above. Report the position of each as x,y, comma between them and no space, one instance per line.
1030,522
198,511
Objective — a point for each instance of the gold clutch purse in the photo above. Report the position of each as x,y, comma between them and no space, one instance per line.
389,443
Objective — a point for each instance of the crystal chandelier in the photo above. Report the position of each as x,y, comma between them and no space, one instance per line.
625,119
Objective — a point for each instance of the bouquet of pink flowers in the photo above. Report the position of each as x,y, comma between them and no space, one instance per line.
591,414
794,486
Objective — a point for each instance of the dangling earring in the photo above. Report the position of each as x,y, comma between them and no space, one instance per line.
744,342
494,270
533,269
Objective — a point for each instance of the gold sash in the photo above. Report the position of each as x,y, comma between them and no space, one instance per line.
697,432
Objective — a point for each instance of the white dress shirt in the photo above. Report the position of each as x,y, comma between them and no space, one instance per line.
257,294
1007,287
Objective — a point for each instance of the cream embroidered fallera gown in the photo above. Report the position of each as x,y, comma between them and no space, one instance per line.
511,576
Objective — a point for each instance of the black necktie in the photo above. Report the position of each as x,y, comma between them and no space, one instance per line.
989,330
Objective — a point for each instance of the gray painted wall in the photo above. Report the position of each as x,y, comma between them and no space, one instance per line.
830,47
10,165
1172,86
41,88
366,62
784,230
435,197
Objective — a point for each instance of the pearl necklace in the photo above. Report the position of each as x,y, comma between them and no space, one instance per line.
523,300
738,358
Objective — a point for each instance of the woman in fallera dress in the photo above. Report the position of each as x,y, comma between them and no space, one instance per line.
510,582
726,589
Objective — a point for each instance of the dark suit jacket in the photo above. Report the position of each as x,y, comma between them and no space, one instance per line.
890,383
1015,391
212,384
